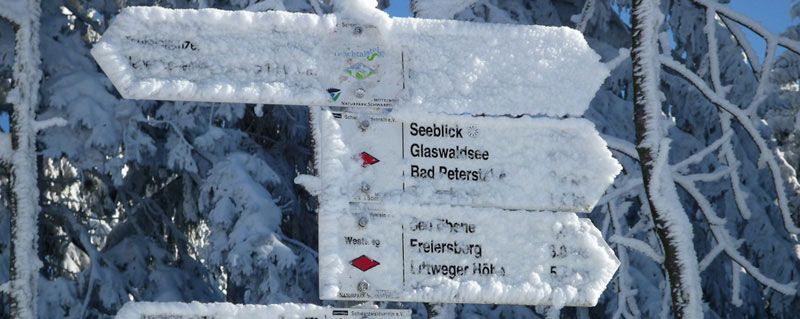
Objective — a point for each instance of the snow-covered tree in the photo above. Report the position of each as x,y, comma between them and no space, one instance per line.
731,184
162,201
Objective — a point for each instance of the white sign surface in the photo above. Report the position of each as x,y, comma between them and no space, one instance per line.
303,59
512,163
196,310
466,255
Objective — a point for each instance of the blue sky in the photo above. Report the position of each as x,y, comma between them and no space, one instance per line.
773,14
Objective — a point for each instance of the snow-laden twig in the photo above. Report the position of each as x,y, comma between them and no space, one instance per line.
736,274
639,246
698,156
706,261
727,243
621,146
6,151
301,245
553,313
739,194
751,24
705,205
586,14
12,11
626,301
710,30
767,155
48,123
712,176
315,6
720,232
629,185
624,54
763,80
741,38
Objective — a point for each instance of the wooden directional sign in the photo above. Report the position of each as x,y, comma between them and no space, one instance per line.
512,163
304,59
469,255
196,310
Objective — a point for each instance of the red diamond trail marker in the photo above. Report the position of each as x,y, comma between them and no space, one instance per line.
364,263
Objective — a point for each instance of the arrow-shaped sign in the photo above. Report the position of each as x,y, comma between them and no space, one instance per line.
304,59
513,163
461,254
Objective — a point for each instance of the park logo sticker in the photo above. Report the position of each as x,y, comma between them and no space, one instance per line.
335,93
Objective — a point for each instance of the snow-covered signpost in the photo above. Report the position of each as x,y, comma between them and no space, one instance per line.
428,133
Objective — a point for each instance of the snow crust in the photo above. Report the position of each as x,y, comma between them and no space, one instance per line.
294,58
364,11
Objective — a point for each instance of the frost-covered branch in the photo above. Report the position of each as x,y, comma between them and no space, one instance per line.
630,185
626,296
705,205
586,14
751,24
767,155
740,195
706,261
699,156
624,54
712,176
6,151
621,146
671,221
741,38
12,11
48,123
637,245
728,244
27,74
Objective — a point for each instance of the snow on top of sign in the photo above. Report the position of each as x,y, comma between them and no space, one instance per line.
364,11
290,58
212,55
506,69
180,310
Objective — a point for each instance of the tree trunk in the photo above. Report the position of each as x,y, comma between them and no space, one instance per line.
671,222
25,209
